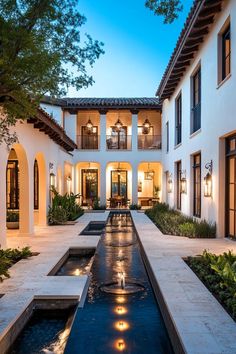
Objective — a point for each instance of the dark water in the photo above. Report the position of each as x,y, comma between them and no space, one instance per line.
113,323
46,332
76,265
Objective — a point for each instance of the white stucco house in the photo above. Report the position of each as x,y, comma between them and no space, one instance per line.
179,148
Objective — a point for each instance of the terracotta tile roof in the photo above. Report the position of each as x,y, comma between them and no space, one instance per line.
197,25
105,103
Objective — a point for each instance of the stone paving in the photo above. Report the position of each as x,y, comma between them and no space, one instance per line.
202,324
29,278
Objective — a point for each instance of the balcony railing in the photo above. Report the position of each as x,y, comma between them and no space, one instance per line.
88,142
196,118
149,142
119,142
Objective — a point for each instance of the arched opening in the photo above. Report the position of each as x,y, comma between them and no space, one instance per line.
149,184
18,200
40,190
119,184
59,180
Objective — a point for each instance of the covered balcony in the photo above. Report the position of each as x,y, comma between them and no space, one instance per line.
88,130
119,130
149,130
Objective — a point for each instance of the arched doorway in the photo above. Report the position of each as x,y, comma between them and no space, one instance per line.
18,197
40,193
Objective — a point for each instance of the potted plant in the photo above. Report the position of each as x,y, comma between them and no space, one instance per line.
13,220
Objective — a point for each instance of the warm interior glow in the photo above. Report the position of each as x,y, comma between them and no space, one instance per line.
121,325
120,345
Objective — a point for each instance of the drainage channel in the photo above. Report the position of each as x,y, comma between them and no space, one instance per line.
120,313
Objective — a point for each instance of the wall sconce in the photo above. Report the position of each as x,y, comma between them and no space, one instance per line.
146,126
169,183
208,180
69,180
52,179
183,182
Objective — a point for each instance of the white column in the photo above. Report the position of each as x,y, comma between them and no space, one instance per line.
3,164
134,131
103,131
134,184
103,184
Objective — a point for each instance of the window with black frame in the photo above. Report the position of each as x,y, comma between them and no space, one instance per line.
12,184
226,52
178,120
167,136
196,102
197,185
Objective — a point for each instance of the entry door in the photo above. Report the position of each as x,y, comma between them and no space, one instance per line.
231,187
178,182
119,184
89,185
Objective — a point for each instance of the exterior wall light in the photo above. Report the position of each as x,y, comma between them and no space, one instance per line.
52,179
146,126
183,182
208,180
69,182
169,184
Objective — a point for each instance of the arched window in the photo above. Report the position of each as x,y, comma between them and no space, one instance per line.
36,185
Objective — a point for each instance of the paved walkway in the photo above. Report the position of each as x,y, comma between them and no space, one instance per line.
203,325
29,278
201,322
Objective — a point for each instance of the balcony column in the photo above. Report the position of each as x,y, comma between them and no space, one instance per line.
134,130
103,183
71,125
103,130
134,184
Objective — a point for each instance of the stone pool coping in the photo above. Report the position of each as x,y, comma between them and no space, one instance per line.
201,323
29,279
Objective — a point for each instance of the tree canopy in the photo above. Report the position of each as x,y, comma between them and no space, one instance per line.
169,9
41,52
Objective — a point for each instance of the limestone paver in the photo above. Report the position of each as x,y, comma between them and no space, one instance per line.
201,322
29,278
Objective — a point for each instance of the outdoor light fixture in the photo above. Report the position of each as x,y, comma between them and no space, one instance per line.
52,179
149,174
183,182
69,182
118,124
208,180
89,126
169,183
146,126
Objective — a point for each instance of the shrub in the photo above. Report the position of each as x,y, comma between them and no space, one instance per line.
64,208
218,273
12,216
135,207
97,206
9,257
172,222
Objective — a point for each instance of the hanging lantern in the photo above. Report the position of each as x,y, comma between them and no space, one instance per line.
208,180
183,182
149,174
89,126
146,126
169,184
118,124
